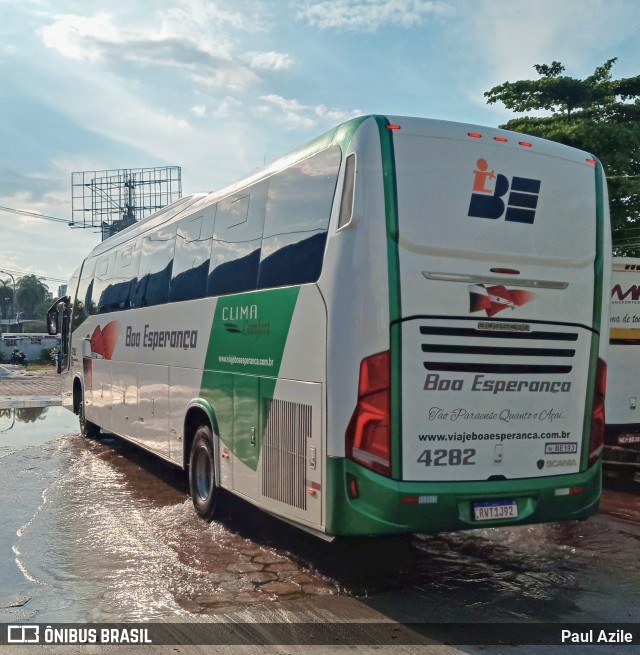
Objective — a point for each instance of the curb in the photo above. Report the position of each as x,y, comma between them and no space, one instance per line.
8,402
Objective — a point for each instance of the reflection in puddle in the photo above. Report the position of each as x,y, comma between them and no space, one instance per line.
127,540
116,537
622,499
21,427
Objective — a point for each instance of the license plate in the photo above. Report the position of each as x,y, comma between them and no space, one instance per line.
495,509
628,438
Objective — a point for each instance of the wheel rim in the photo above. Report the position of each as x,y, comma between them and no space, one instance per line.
202,476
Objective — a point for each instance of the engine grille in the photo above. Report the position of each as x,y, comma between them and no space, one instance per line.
284,451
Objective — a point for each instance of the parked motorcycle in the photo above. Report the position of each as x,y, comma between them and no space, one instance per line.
18,357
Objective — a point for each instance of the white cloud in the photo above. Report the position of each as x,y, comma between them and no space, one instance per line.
192,39
200,25
506,39
370,15
199,110
269,60
292,112
229,77
227,107
199,19
75,36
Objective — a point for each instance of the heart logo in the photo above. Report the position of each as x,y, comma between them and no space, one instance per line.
103,340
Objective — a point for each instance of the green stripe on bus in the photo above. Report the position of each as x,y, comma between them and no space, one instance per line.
395,308
598,273
243,360
247,342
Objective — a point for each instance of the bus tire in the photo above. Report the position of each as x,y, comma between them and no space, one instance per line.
202,477
87,428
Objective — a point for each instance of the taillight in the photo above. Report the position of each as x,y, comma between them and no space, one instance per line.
597,417
368,436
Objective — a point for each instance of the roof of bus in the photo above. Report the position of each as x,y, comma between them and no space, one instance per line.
342,134
453,130
188,204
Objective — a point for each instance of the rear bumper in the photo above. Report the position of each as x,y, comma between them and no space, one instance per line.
379,509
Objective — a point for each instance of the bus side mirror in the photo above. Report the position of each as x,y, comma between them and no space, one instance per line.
52,321
56,311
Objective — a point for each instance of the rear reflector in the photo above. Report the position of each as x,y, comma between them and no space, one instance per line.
353,487
597,414
505,271
570,491
419,500
592,161
393,127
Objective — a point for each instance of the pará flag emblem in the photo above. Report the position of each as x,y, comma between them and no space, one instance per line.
495,299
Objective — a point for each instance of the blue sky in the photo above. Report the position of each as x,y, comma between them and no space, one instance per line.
220,88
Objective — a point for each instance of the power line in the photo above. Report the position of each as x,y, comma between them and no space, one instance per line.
17,272
24,212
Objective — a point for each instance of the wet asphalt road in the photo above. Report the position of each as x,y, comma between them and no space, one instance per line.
97,531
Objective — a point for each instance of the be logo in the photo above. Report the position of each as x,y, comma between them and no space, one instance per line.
487,199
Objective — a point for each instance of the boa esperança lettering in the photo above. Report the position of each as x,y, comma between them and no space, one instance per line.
481,383
153,339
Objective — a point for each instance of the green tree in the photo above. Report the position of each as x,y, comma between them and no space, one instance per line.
31,292
31,414
6,298
598,114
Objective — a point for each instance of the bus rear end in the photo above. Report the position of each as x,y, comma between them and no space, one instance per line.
494,414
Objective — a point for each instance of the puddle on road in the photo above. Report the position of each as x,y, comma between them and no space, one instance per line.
103,531
622,498
21,427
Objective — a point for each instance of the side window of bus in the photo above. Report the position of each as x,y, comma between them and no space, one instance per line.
346,202
297,218
105,265
156,260
191,259
235,252
82,302
119,291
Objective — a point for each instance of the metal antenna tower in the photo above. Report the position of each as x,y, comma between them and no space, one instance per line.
111,200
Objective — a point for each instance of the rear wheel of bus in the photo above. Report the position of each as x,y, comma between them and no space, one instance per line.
202,479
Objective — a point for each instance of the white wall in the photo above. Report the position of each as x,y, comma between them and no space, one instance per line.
30,344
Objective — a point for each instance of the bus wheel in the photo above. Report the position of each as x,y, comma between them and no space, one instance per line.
87,428
202,482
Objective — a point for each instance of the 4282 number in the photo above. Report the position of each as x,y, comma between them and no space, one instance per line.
453,457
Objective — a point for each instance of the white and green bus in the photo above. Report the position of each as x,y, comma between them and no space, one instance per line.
393,329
